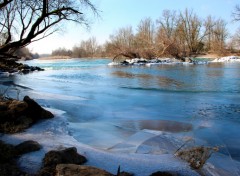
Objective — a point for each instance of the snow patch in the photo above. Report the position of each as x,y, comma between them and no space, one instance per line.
227,59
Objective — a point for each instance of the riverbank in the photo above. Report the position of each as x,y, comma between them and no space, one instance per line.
159,61
11,67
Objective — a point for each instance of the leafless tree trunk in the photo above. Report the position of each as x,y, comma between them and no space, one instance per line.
236,13
192,30
4,3
24,22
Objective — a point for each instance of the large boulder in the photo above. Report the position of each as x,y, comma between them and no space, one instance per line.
7,152
26,147
11,110
8,155
66,156
78,170
55,157
15,116
35,111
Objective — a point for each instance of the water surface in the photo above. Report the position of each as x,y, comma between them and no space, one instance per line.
105,105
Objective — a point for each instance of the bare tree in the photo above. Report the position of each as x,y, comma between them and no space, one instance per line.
191,28
220,35
123,43
166,38
145,38
61,52
27,21
87,48
209,24
236,13
4,3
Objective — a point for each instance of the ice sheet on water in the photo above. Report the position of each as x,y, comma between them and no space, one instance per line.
148,142
98,134
221,165
54,134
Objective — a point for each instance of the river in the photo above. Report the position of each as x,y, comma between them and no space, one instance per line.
105,105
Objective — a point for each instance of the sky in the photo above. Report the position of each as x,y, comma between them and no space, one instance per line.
114,14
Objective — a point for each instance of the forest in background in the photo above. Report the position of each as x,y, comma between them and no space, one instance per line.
178,34
174,34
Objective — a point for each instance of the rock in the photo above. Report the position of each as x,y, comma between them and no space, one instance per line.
53,158
15,127
25,71
125,63
196,156
17,107
15,116
66,156
7,152
10,113
125,174
3,106
11,110
26,147
8,165
11,66
77,170
35,111
11,169
163,173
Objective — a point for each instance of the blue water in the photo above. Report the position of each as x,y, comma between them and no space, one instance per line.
106,104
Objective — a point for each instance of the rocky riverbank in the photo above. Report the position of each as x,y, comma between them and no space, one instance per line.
8,67
16,116
159,61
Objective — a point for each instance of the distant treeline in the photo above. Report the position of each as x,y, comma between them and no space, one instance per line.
175,34
178,34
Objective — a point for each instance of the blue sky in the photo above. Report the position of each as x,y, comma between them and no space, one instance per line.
120,13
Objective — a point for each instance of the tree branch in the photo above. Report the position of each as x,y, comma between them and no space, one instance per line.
5,3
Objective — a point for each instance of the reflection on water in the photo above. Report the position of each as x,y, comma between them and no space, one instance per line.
123,74
148,80
159,125
215,73
216,65
168,82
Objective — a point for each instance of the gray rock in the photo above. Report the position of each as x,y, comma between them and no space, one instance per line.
26,147
54,157
77,170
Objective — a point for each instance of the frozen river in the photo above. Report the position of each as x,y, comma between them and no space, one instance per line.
127,109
